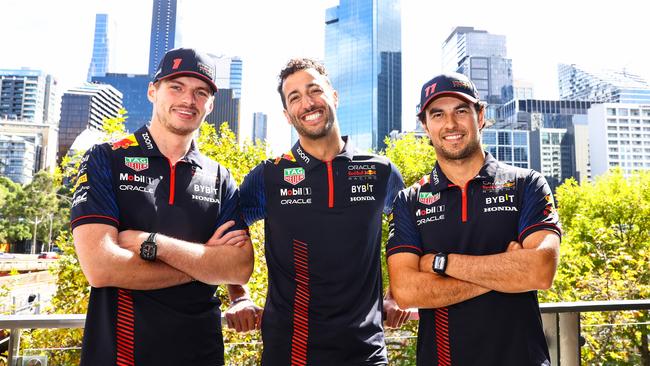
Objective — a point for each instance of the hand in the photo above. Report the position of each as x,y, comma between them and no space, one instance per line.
244,316
426,261
236,238
131,239
513,245
395,316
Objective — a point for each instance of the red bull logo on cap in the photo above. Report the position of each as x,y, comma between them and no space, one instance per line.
125,143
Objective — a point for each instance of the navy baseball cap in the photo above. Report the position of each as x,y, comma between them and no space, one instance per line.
187,62
453,84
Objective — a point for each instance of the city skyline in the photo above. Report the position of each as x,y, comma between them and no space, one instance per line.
58,41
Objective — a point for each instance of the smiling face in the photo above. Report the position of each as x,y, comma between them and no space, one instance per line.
180,104
311,103
454,125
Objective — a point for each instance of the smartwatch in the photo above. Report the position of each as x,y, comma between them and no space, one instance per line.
148,248
439,264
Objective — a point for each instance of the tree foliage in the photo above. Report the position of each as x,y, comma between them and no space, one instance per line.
605,255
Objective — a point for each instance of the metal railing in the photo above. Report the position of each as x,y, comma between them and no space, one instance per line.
561,325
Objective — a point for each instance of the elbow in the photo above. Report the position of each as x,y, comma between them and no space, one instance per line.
545,281
401,297
98,279
243,275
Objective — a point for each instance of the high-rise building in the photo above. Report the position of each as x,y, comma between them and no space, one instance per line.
86,107
482,57
578,131
552,149
621,133
29,95
163,32
611,86
227,99
507,145
226,109
43,136
363,56
259,126
135,101
17,156
101,48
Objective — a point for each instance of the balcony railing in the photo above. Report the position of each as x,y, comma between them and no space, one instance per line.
561,326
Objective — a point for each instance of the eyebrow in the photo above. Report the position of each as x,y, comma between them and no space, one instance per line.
310,85
457,107
175,81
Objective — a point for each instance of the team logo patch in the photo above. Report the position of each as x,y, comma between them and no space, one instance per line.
125,143
428,198
286,156
136,163
294,175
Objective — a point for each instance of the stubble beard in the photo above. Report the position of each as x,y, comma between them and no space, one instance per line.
315,135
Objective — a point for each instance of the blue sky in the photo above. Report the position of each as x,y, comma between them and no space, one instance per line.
57,36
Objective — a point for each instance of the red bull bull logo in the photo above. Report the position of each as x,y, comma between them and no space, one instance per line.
125,143
286,156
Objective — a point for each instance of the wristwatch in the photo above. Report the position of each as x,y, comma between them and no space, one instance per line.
439,264
148,248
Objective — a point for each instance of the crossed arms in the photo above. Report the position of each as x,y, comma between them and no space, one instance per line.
109,258
522,267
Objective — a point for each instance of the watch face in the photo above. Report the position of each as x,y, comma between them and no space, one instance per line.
148,251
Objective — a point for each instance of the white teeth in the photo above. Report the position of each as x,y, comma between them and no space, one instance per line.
312,116
453,137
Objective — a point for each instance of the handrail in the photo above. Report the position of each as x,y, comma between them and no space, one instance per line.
561,323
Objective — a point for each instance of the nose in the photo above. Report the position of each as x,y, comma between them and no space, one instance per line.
188,97
307,102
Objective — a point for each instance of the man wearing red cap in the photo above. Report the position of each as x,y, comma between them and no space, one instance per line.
156,226
472,242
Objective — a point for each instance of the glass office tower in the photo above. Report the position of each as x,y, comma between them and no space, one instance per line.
163,31
364,60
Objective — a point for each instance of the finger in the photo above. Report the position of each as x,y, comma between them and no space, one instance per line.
236,239
258,318
250,320
222,229
231,234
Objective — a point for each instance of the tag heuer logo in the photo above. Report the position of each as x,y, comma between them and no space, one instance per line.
137,164
294,175
428,198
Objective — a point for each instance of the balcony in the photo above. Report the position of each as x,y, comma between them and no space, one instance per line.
561,325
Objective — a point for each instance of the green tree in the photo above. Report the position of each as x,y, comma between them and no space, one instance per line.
605,255
13,226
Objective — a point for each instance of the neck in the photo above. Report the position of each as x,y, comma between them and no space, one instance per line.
172,146
460,171
324,148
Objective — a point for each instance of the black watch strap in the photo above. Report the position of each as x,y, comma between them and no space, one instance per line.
439,264
148,248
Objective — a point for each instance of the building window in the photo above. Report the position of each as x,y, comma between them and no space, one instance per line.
519,138
634,112
622,112
611,111
611,128
489,138
505,153
504,138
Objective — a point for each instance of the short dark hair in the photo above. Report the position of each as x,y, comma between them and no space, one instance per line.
297,64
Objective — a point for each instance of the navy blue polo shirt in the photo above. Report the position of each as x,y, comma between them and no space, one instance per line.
501,204
322,245
129,184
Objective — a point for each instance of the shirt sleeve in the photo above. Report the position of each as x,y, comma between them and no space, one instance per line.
94,199
230,209
538,208
394,185
253,196
403,236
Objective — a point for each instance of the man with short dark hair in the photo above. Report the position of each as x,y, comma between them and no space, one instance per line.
322,203
157,226
472,241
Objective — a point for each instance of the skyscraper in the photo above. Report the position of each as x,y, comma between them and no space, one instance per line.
481,56
227,99
101,48
86,107
29,95
134,91
17,156
364,59
612,86
163,32
259,126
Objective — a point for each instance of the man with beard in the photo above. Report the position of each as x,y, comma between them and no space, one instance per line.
157,226
472,242
322,203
